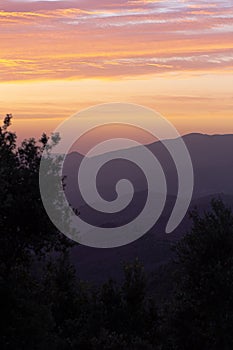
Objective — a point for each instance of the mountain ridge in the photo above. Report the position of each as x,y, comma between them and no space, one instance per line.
212,159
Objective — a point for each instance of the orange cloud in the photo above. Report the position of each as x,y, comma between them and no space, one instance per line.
159,53
124,39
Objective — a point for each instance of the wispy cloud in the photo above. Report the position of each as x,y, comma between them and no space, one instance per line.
70,39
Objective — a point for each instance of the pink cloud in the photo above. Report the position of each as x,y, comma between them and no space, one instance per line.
67,39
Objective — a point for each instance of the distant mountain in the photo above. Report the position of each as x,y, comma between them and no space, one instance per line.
153,249
212,158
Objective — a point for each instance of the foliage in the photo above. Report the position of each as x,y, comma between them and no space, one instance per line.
27,236
201,313
24,225
45,306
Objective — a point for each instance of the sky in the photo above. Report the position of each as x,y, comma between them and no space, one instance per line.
58,57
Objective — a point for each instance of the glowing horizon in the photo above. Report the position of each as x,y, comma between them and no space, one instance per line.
58,57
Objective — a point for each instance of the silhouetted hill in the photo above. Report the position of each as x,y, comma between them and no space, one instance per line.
211,156
212,160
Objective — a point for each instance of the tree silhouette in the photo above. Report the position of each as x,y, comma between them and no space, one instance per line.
26,237
201,315
45,306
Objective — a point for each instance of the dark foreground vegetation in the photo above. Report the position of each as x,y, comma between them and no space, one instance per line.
45,306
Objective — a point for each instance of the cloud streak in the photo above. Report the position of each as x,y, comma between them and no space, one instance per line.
110,39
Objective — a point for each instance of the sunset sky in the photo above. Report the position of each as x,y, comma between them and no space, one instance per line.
57,57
